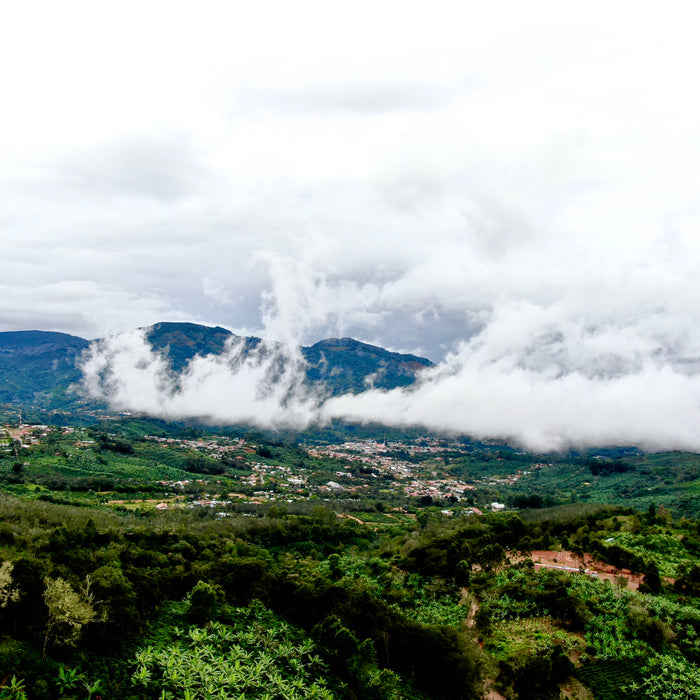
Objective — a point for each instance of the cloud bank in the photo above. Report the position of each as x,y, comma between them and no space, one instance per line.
528,377
261,387
569,387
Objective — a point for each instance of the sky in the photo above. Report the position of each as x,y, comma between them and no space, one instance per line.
509,190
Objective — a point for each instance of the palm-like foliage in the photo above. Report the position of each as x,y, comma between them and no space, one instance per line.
14,690
259,656
670,678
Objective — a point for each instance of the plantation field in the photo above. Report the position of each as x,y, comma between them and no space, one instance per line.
357,570
610,676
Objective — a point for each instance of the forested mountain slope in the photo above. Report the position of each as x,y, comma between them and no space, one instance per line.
40,369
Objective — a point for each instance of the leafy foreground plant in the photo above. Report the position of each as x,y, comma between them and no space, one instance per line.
14,690
258,656
669,678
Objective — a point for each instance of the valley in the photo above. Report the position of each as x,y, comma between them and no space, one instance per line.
145,558
409,552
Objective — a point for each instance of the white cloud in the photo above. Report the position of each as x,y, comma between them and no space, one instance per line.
259,387
531,376
653,408
79,306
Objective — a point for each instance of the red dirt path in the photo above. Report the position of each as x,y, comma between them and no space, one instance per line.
567,561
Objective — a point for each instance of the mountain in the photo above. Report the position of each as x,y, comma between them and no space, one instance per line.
343,365
346,365
180,342
38,368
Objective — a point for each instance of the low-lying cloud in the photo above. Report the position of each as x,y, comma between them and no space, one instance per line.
533,375
259,387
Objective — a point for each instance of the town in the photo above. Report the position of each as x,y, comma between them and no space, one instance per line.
238,470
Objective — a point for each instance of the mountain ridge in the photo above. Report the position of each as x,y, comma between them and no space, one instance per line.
39,369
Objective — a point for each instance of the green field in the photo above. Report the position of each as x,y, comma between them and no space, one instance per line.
353,572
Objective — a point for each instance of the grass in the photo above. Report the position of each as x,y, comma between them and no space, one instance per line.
532,636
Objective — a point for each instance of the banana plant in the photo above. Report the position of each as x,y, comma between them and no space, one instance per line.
15,690
257,657
91,688
68,679
142,676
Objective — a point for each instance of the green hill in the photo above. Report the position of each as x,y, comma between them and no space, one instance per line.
39,369
343,365
346,365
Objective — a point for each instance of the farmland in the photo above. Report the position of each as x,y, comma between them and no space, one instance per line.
205,563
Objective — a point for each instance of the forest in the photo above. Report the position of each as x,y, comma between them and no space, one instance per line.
145,560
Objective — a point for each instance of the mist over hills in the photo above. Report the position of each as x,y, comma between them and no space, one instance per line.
342,365
42,369
208,375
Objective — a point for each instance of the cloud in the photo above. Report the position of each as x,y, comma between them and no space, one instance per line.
548,385
531,377
154,166
78,306
357,97
260,387
654,408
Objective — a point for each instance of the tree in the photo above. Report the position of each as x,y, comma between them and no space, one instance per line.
117,607
205,602
463,572
651,583
28,576
491,556
8,592
422,519
334,566
68,611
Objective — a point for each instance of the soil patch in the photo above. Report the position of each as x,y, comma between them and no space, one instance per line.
567,561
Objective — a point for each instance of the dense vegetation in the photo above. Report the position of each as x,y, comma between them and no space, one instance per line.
144,560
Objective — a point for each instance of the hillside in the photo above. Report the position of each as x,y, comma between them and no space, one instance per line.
146,560
342,364
38,368
180,342
347,365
